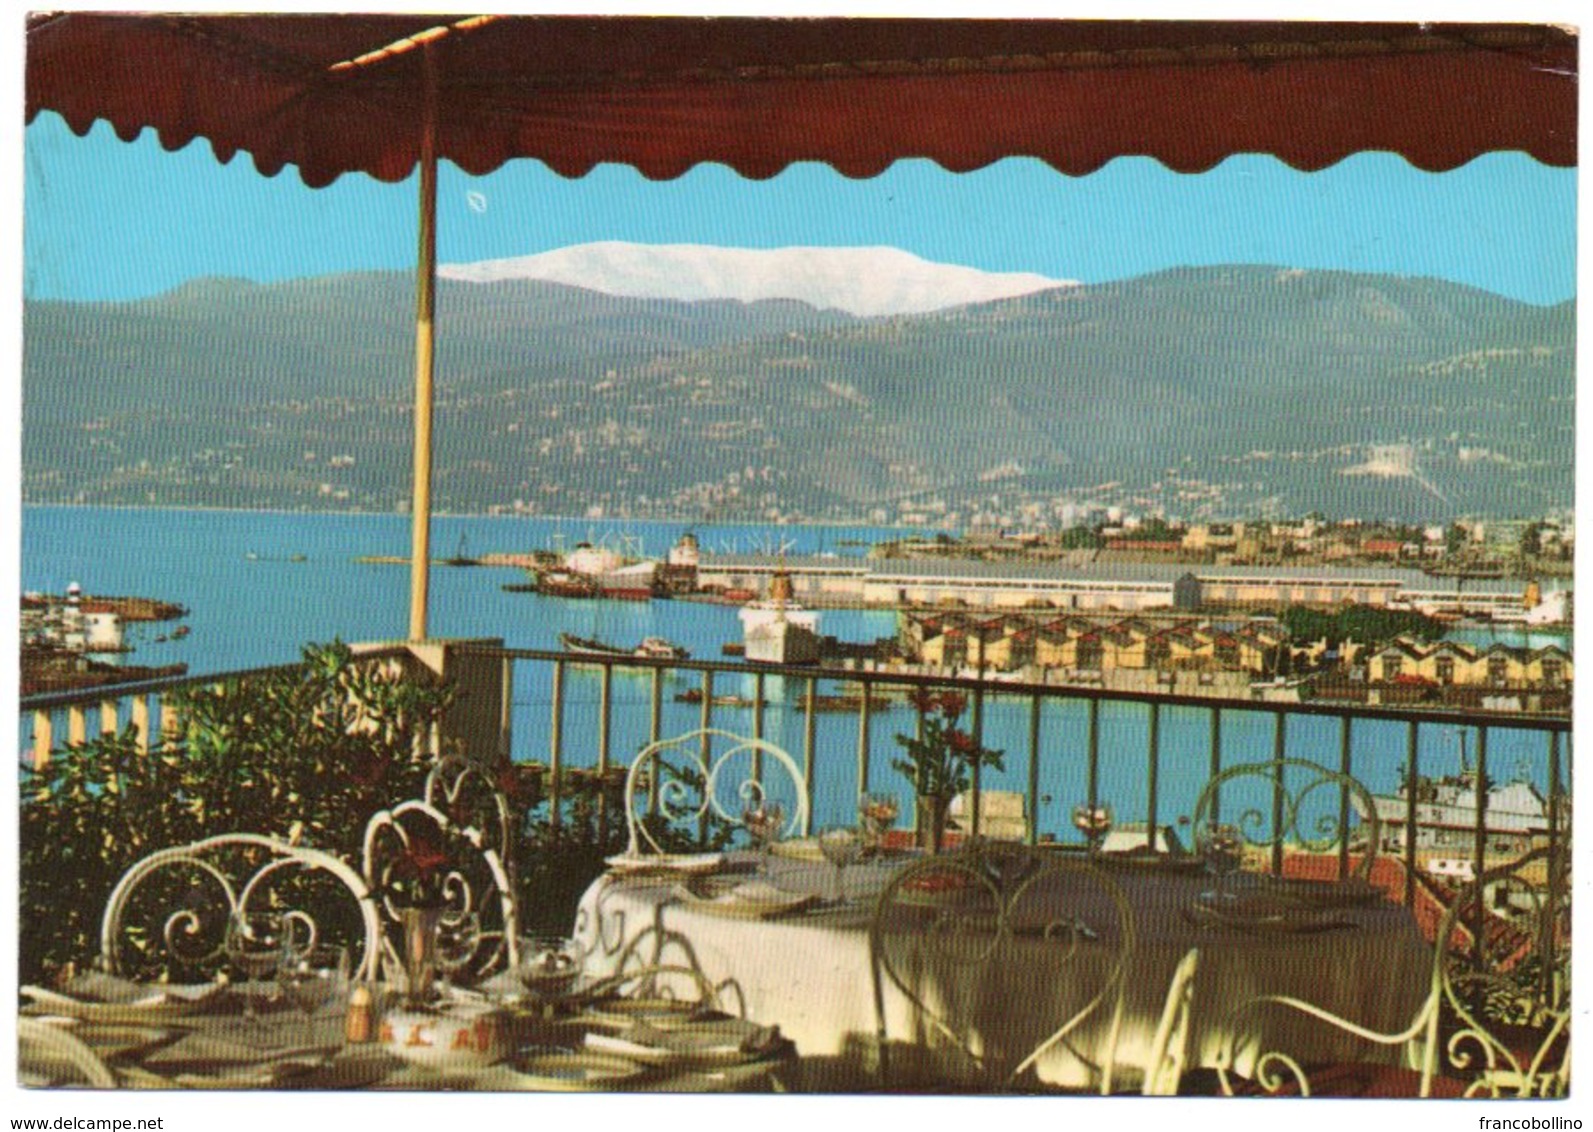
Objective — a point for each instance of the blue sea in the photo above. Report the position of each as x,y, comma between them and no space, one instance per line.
261,585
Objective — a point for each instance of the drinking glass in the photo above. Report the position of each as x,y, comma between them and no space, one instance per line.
313,979
1222,848
876,815
764,820
841,846
254,944
549,966
1094,821
458,938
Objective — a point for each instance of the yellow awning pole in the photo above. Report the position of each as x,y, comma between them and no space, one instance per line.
425,300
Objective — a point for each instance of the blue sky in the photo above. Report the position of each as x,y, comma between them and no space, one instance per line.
106,219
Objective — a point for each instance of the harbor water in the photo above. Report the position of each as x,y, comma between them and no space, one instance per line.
261,585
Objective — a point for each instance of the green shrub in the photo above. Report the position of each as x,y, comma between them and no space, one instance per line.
306,752
309,753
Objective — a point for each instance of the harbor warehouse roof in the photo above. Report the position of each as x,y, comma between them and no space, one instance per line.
1132,573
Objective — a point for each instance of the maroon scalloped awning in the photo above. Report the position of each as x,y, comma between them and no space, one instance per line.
662,94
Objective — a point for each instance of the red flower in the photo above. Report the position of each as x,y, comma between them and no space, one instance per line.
517,784
367,768
960,741
923,699
424,857
952,703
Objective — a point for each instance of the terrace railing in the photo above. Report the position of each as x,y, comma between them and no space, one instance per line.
524,701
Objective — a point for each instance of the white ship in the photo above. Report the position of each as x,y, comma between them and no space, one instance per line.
1446,813
777,630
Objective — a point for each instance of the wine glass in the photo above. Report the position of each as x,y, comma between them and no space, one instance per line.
876,815
313,978
1094,821
549,966
458,938
254,944
764,820
841,846
1222,848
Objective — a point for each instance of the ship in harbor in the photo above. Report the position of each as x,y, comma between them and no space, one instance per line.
1515,813
778,630
596,572
651,648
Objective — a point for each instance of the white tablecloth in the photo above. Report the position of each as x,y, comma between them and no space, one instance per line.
810,973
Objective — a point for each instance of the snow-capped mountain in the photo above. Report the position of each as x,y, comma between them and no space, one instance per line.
861,281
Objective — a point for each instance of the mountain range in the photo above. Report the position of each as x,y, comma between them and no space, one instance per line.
867,282
1214,391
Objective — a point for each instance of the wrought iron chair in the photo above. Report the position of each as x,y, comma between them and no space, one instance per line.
167,917
677,788
660,967
1169,1052
950,932
456,838
1495,1021
48,1056
1301,814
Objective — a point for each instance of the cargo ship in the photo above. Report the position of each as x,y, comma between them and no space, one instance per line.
595,572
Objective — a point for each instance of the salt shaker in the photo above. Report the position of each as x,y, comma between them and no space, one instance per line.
360,1025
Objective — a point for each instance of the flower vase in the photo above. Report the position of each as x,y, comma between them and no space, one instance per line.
419,952
931,819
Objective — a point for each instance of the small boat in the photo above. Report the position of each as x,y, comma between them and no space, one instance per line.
180,632
653,648
563,583
659,649
461,556
694,696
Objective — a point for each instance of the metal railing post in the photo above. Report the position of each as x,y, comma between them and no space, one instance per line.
1034,770
556,749
757,727
1554,815
655,732
1216,762
809,721
1344,801
1277,793
706,748
605,695
1153,744
1480,841
1412,789
862,744
1092,754
978,725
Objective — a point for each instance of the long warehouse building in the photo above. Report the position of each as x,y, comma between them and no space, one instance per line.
1124,587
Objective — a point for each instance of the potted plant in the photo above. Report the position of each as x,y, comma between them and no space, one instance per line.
939,760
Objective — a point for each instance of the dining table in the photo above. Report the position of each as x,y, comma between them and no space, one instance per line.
796,950
213,1036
